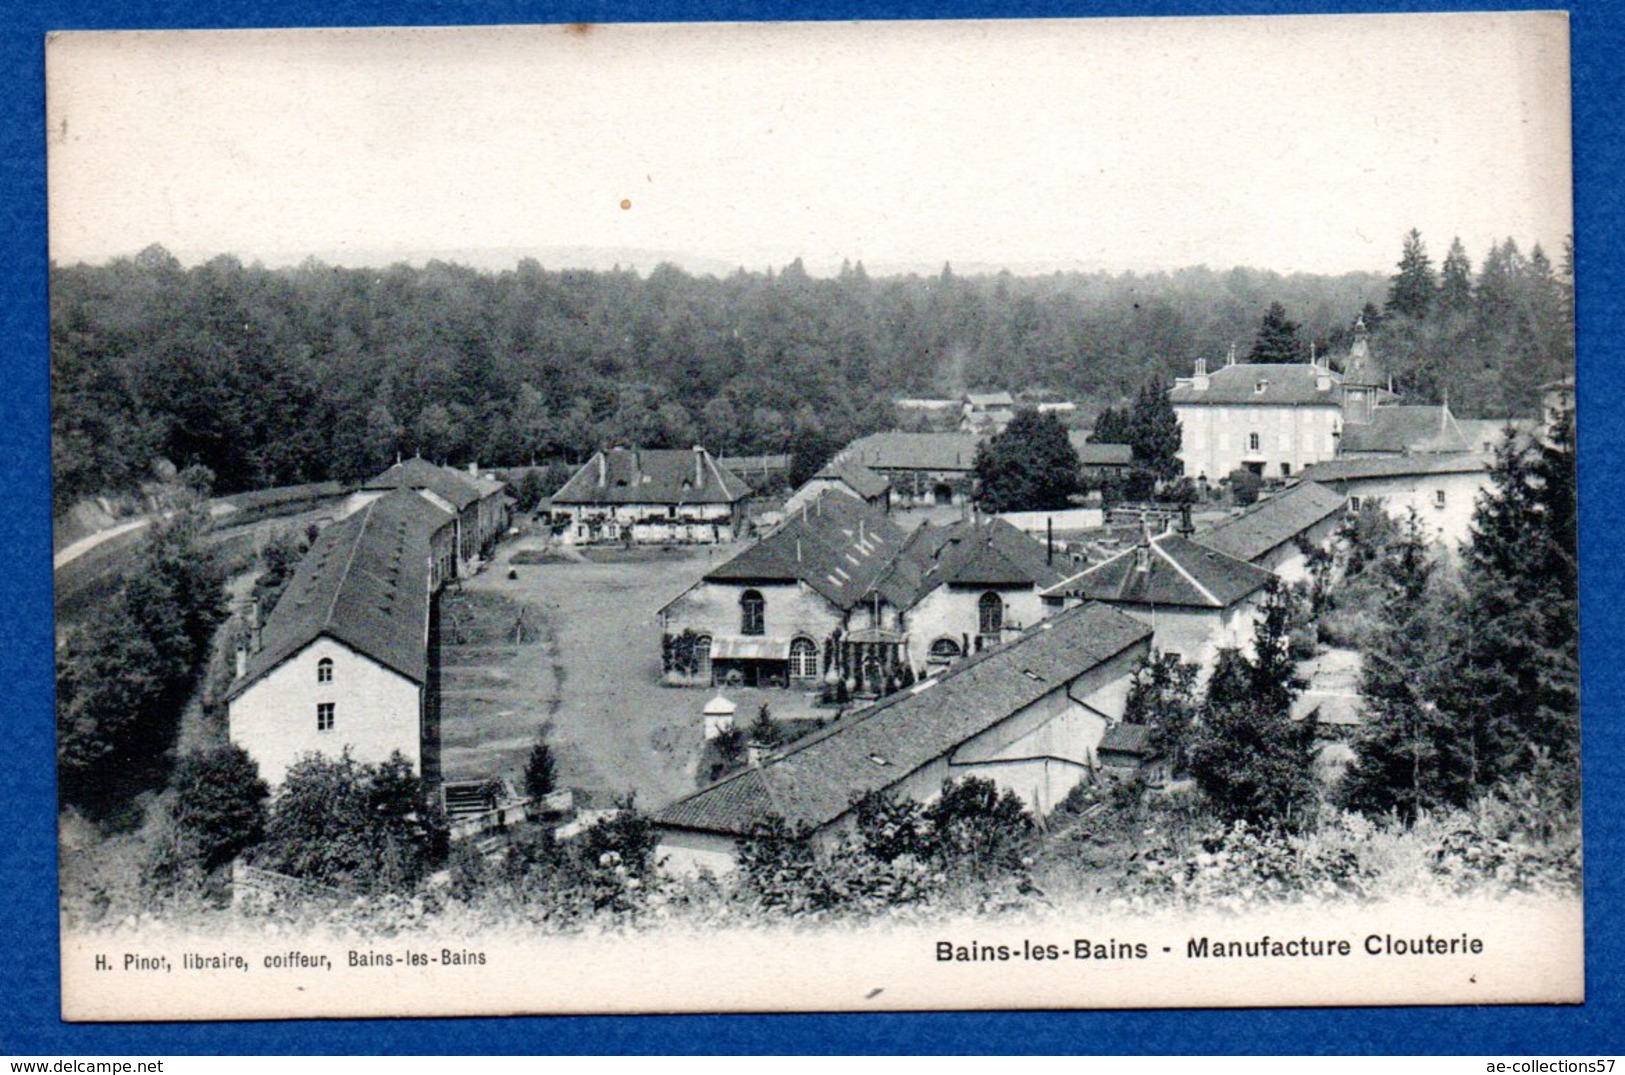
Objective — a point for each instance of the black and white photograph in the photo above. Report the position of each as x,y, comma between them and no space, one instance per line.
815,516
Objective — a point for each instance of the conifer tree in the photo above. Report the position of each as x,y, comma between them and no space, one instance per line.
1515,696
1412,289
1408,756
1249,759
1456,280
1277,340
1155,432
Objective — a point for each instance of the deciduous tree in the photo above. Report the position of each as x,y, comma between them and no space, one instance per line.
1030,466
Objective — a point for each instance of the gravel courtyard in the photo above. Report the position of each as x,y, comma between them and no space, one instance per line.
587,659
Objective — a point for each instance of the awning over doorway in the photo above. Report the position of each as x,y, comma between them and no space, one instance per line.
749,648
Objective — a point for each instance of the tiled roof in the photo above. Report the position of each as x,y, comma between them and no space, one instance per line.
1273,521
1126,739
652,476
1486,434
838,545
819,777
1179,572
990,553
1406,428
458,490
1395,466
365,582
755,462
913,451
1283,383
859,478
1099,455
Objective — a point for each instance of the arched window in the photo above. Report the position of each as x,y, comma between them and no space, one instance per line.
324,670
752,613
943,651
990,614
702,658
803,659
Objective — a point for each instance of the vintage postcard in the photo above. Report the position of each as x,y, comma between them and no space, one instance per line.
772,517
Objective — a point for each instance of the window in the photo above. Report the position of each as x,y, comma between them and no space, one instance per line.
1252,442
1260,386
324,716
752,613
324,670
1354,504
990,614
1286,470
803,659
943,651
1438,498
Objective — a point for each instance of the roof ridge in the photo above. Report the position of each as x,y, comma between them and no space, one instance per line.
1177,566
344,576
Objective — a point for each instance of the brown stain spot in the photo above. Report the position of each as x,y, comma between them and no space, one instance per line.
579,29
626,203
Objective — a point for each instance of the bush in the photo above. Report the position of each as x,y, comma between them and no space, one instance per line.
365,827
220,803
1244,487
540,768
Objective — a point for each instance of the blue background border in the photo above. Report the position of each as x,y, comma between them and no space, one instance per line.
29,988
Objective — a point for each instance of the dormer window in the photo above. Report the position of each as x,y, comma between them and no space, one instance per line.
1260,385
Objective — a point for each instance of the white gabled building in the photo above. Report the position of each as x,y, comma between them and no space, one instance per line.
1029,715
1278,532
1197,600
343,661
652,496
1442,488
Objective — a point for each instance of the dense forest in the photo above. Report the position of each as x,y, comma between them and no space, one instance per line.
281,376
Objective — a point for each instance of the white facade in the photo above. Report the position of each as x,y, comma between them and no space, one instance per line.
376,711
1277,440
1444,503
954,613
1040,752
1195,635
692,524
1288,561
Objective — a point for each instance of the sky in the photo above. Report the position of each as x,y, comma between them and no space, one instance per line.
1289,143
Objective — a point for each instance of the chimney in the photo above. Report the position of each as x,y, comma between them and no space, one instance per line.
1186,527
242,659
255,642
474,467
699,466
603,470
1200,382
798,550
1142,551
1049,539
1230,360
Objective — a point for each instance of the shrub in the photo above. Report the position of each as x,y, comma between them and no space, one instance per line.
220,803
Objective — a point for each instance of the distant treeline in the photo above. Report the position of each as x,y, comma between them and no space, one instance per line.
282,376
